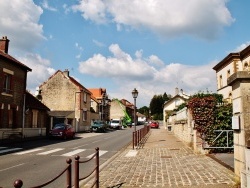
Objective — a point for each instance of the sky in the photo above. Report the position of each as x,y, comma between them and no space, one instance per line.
151,45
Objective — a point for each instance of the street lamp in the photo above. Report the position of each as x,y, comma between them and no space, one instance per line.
135,94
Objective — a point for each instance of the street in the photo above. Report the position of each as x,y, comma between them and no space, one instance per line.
37,161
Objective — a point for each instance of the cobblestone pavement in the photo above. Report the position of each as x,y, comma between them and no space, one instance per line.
164,161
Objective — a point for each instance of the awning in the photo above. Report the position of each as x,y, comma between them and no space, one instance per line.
62,114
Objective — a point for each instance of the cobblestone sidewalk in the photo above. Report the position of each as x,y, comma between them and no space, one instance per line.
164,161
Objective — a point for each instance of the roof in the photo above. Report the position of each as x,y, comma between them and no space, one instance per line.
173,98
239,55
33,103
81,87
97,92
12,59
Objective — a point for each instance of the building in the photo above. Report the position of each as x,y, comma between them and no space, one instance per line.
13,75
67,99
173,103
102,107
36,117
123,110
232,63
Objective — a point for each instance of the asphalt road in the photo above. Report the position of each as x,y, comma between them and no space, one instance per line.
37,161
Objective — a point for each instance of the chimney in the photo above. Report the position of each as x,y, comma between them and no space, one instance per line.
4,44
176,91
66,72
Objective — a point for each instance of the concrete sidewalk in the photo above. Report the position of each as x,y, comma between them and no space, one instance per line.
164,161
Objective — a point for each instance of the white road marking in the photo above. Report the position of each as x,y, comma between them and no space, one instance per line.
28,151
50,151
80,146
101,152
12,167
131,153
11,149
73,152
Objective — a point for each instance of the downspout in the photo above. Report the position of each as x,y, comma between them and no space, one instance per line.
24,103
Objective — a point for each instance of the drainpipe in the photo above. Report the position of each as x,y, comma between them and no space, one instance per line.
24,102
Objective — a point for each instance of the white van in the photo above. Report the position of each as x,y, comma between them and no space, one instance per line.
116,124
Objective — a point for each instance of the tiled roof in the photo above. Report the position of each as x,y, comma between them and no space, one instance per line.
33,103
97,92
12,59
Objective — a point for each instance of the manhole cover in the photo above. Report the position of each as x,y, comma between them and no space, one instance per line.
166,157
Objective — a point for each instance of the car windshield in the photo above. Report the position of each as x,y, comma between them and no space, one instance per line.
115,121
98,122
59,126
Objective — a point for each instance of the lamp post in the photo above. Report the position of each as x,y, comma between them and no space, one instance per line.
135,94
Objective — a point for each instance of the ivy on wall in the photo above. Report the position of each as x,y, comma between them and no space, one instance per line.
209,114
202,110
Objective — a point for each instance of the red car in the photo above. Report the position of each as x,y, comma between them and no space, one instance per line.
154,124
62,131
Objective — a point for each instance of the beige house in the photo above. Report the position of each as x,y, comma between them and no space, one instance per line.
232,63
67,99
179,98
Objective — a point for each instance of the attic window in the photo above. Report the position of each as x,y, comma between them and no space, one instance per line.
85,97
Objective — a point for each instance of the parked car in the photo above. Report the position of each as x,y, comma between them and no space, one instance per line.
154,124
98,126
62,130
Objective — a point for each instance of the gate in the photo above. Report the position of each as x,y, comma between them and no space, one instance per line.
222,133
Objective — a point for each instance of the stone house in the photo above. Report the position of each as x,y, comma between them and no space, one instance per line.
67,99
13,76
233,82
232,63
121,109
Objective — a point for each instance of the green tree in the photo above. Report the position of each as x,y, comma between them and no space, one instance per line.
144,110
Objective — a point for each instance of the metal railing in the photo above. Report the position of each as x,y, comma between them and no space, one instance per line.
96,169
139,136
19,183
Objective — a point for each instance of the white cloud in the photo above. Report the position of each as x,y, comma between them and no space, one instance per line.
41,70
241,47
149,78
46,5
99,44
93,10
167,18
19,21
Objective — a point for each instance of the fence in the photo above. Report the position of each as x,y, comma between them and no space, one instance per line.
139,136
68,169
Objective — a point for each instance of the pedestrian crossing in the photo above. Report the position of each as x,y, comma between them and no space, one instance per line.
64,152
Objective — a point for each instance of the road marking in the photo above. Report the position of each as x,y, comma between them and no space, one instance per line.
28,151
3,147
50,151
12,167
73,152
101,152
131,153
11,149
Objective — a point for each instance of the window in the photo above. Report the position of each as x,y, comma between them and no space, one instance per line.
220,82
34,118
84,115
7,83
85,97
228,73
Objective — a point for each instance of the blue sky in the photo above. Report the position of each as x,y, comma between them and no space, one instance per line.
151,45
